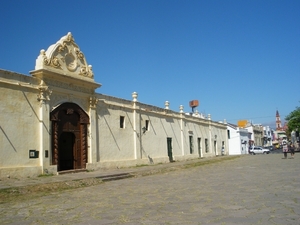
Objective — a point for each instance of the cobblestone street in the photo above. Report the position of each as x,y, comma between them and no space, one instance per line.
260,189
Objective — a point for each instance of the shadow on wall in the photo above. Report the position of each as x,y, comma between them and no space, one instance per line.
112,134
102,111
8,139
35,112
150,160
170,121
151,125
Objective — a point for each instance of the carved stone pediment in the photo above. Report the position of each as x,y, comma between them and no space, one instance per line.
64,66
66,58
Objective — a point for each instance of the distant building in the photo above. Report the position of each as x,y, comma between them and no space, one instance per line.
256,134
268,136
278,137
279,134
238,140
278,121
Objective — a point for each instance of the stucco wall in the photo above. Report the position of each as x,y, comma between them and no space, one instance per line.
196,130
116,146
234,142
238,142
109,145
219,136
114,143
19,120
154,141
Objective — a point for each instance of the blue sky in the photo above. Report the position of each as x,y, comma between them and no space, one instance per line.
240,59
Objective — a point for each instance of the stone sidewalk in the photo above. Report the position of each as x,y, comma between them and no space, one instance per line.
106,174
260,189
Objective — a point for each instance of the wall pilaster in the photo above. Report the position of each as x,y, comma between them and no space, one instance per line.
44,126
93,131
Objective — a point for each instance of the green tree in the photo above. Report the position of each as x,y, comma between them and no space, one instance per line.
293,120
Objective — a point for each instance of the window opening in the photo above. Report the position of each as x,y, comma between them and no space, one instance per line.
206,145
122,122
199,146
147,125
191,145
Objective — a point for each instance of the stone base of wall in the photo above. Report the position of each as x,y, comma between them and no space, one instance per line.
137,162
125,163
210,154
50,170
185,157
20,172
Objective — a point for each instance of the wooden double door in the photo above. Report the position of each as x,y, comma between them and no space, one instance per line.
69,137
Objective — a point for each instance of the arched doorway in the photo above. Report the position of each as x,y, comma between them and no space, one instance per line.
69,137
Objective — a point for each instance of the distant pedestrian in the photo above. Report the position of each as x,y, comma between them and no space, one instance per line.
292,150
285,148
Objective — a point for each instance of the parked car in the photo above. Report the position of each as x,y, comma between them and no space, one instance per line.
259,150
271,148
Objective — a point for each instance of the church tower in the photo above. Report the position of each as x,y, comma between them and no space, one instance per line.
278,121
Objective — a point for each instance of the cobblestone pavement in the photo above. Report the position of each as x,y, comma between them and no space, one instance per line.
260,189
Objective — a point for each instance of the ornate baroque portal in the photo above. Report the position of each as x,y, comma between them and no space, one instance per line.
69,137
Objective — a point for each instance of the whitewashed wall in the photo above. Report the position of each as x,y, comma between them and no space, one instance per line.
238,141
128,146
234,141
19,124
218,135
244,141
109,145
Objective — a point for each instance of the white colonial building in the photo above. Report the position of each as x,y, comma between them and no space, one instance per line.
53,121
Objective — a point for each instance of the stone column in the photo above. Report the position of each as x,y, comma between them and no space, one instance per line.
44,126
92,131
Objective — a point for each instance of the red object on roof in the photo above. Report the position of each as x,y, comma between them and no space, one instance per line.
194,103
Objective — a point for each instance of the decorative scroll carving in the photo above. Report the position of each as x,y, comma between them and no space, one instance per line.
44,93
84,119
54,62
65,55
54,116
93,102
70,111
68,107
84,143
55,143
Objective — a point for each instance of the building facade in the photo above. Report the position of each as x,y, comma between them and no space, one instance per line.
238,140
53,121
256,134
268,136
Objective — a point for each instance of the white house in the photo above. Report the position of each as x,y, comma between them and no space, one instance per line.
238,140
267,139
